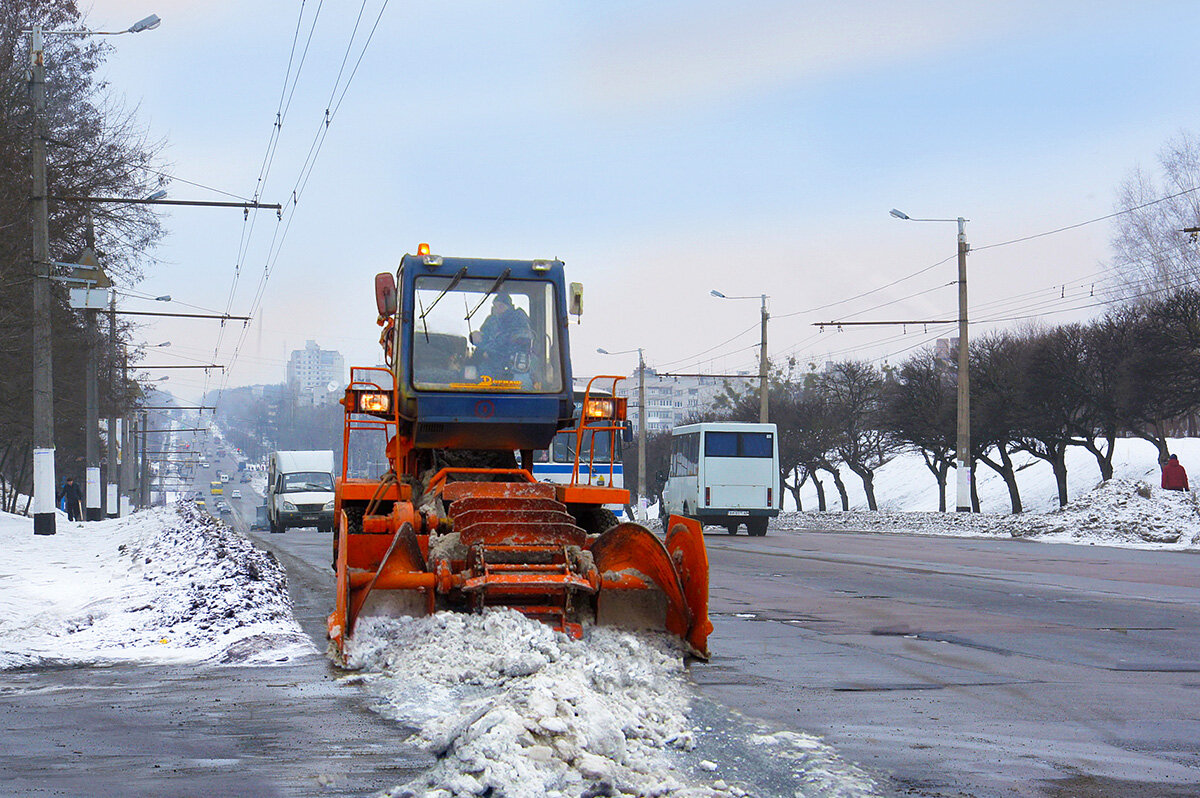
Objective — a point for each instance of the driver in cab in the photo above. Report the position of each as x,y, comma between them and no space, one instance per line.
502,343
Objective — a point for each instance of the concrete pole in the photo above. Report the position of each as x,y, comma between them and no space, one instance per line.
144,487
963,504
92,433
44,481
112,476
641,486
762,366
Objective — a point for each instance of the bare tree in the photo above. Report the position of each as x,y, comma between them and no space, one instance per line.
854,390
921,410
995,373
1151,254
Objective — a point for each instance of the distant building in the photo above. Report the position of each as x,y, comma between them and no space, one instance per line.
670,400
946,349
312,370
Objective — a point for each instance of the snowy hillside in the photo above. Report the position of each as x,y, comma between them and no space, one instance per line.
905,484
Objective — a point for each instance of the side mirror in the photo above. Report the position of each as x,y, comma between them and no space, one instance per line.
576,300
385,294
627,432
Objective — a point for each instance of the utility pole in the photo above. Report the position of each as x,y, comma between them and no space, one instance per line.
112,503
92,432
964,379
762,366
963,449
144,482
641,486
44,482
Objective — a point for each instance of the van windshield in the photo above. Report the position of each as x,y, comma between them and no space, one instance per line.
302,481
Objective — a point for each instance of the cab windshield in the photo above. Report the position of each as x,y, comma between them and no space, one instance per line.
469,337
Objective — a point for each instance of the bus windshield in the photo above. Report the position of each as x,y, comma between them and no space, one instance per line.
562,448
739,444
471,335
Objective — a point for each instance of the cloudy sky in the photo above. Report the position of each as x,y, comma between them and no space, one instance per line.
660,149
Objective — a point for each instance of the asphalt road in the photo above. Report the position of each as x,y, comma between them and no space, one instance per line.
966,666
943,666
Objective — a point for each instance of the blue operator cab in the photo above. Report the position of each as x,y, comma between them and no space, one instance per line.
482,359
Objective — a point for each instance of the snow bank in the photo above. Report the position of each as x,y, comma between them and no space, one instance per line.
1120,512
904,484
165,585
510,707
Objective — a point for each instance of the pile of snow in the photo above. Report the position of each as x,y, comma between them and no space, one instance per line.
510,707
1120,512
168,585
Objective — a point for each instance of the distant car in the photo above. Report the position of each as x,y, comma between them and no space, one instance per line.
225,509
237,494
245,477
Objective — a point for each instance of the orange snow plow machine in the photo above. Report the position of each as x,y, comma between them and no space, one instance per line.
455,523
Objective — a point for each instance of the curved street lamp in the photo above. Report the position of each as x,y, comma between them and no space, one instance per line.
762,352
963,454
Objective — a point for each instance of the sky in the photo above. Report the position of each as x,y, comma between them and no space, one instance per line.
659,149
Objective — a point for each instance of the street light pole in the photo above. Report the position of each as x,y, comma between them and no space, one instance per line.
641,484
964,379
963,469
763,393
762,366
44,481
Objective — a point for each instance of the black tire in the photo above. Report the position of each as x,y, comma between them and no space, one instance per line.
731,528
757,527
596,520
325,529
276,529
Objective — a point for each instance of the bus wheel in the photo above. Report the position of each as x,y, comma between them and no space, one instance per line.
757,527
731,528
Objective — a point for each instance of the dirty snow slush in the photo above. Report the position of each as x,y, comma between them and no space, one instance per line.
508,707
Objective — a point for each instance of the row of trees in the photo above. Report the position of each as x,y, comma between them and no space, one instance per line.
1136,372
96,148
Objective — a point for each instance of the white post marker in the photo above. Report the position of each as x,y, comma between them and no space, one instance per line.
43,492
93,494
111,502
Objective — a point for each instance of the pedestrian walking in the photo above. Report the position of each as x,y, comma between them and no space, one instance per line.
1174,476
73,497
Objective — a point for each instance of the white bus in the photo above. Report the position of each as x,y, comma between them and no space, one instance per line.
724,474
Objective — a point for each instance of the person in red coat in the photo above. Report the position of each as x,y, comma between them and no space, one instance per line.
1174,477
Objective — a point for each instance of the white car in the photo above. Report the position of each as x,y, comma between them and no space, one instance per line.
237,494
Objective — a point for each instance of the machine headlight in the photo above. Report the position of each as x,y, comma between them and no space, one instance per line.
600,408
289,507
328,506
374,402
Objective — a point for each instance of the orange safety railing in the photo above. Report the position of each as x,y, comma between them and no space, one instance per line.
361,380
608,425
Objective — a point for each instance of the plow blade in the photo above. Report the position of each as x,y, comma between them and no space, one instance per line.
379,575
646,584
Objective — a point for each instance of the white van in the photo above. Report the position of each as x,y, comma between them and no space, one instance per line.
724,474
300,490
